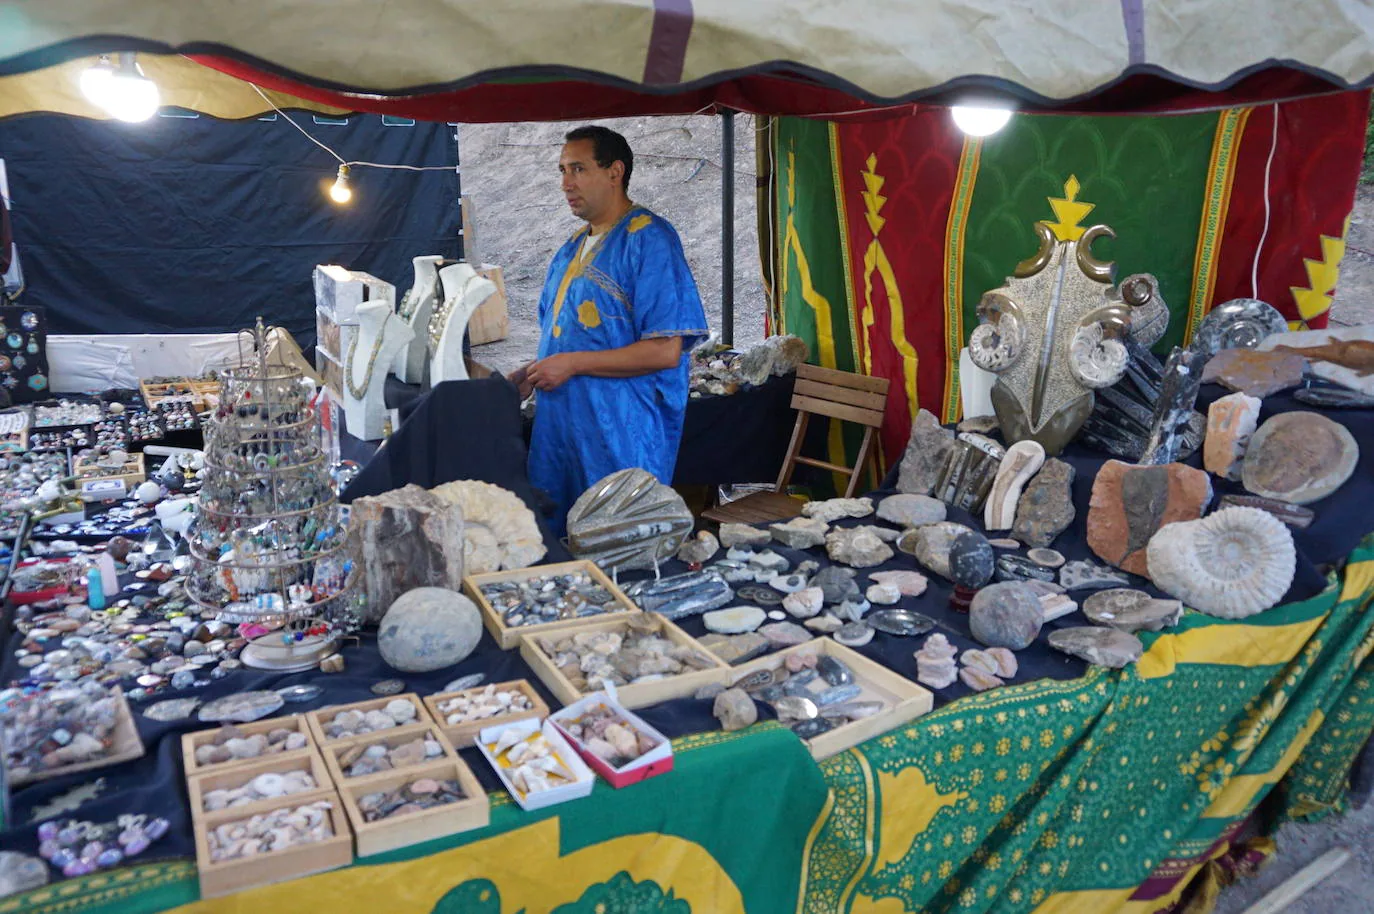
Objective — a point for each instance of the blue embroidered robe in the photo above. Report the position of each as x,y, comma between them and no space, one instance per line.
635,285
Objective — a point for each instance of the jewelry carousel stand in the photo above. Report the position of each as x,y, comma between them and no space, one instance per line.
380,336
416,309
465,291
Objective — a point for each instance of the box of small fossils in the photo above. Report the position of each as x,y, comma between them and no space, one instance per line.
408,805
620,746
297,836
543,599
461,715
536,763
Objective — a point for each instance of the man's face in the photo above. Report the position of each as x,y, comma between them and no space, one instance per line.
591,191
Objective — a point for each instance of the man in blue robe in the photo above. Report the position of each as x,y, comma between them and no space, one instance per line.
617,316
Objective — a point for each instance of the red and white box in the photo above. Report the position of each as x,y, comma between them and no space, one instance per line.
657,760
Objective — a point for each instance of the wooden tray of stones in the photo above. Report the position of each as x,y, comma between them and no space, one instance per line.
132,473
509,637
462,735
473,811
339,749
125,745
904,700
155,392
229,876
232,777
319,718
634,695
192,741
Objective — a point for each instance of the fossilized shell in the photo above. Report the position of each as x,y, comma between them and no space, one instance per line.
628,520
997,343
1096,357
1149,313
1233,563
1100,270
1238,323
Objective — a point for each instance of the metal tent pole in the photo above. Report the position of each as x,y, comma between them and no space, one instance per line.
727,228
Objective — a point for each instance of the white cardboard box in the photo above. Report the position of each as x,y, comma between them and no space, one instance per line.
566,754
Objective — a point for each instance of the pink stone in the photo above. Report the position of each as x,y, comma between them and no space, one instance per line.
1230,423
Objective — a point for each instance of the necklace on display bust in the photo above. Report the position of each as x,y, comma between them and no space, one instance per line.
358,391
408,305
439,319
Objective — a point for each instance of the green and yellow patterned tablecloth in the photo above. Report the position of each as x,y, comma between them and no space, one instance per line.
1098,795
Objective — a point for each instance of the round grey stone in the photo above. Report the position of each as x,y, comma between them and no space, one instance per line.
429,628
1005,615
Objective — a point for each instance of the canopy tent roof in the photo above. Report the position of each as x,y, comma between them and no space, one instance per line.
535,60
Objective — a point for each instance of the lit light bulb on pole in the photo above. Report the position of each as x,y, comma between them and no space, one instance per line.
980,120
340,191
123,92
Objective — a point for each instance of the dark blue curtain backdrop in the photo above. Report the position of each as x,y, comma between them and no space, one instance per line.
198,225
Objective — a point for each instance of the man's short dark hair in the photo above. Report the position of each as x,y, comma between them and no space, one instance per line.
608,146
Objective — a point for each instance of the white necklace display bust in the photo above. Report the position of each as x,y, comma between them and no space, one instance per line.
464,292
380,336
415,309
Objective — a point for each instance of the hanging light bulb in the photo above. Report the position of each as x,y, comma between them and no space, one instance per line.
95,81
123,92
340,191
980,120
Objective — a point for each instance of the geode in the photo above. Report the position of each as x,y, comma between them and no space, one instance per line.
1231,564
1129,503
428,628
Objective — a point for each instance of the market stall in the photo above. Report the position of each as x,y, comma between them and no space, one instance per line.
921,718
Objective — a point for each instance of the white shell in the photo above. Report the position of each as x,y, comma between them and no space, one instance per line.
1231,564
997,345
1097,360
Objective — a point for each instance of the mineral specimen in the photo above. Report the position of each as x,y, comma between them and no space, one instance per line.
407,799
801,532
883,594
909,583
1233,563
486,704
1045,508
967,476
853,634
935,664
499,530
836,583
241,707
1132,610
590,659
428,628
925,455
1005,615
1019,568
1007,664
1294,516
1022,461
970,560
785,634
1299,457
1129,503
270,832
1171,421
407,538
1056,606
1333,398
1082,574
628,520
834,509
682,594
979,680
1258,374
1230,423
1102,646
911,510
699,548
733,649
1046,558
804,603
735,709
734,621
732,535
933,546
858,548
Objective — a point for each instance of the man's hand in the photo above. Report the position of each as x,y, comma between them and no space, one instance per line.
521,379
551,372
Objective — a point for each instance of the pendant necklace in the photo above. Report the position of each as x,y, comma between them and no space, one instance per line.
439,319
353,389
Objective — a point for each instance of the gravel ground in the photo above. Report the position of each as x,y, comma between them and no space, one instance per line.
510,171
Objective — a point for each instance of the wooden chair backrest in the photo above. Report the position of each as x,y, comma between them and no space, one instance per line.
840,395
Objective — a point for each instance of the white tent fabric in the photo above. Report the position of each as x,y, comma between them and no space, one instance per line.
885,49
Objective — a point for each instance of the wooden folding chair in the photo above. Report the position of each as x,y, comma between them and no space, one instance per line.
822,392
